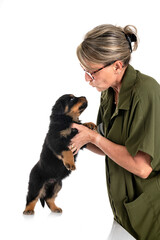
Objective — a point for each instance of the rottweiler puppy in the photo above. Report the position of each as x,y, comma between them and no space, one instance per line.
56,159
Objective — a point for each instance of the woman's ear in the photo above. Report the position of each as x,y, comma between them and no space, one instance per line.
118,66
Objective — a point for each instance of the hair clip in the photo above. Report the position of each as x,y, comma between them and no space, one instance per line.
130,38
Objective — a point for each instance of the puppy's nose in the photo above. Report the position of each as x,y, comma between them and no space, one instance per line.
83,98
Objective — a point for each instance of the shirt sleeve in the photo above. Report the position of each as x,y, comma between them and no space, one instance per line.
100,126
143,131
100,122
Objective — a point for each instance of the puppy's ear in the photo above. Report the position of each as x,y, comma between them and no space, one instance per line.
58,108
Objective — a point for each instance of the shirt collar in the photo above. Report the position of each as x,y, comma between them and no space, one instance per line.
124,102
128,81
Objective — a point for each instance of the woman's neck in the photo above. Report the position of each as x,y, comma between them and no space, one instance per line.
118,85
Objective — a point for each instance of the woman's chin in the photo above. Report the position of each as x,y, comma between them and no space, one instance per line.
100,89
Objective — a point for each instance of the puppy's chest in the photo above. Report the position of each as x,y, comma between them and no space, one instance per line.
66,132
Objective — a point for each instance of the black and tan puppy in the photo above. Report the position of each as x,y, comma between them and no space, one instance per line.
56,160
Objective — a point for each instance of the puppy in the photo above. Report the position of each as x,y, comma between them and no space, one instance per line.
56,160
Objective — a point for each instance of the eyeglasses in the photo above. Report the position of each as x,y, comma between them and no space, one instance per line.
90,74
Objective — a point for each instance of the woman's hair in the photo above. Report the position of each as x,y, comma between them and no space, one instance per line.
106,44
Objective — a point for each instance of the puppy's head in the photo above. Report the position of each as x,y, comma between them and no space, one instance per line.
70,105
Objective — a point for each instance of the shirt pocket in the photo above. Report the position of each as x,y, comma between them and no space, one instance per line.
141,216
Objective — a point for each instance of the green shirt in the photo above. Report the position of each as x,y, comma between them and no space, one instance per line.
134,123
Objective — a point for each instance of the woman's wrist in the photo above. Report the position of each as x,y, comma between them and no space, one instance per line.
94,138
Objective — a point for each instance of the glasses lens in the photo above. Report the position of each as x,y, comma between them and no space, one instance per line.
89,75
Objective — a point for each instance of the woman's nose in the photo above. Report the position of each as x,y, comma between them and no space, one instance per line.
88,77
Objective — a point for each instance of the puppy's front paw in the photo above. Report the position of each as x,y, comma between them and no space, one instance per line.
70,166
68,160
91,126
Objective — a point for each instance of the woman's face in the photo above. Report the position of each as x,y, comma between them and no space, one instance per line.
105,78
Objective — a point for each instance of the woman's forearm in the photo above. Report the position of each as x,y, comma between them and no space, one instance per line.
138,165
95,149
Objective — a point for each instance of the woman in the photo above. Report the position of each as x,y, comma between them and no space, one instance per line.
128,128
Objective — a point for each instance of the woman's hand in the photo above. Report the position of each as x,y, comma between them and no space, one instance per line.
84,136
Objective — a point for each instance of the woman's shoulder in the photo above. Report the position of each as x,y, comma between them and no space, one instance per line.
146,80
145,85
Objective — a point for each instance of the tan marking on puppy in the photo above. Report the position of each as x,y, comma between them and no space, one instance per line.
65,132
51,201
74,111
57,188
90,125
58,156
66,109
29,210
68,160
51,204
42,192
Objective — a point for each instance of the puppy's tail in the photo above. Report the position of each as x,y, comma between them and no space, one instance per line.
42,202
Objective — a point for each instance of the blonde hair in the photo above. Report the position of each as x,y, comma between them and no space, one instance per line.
108,43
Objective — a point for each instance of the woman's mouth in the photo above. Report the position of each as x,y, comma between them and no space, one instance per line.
91,83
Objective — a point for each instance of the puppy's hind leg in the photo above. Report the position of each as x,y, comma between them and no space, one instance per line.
32,198
29,210
51,195
34,192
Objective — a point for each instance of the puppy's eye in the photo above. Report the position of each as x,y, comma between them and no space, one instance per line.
71,100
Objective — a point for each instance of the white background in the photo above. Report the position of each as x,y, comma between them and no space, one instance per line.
38,40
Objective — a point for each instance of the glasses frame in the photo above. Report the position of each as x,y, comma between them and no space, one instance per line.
90,74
